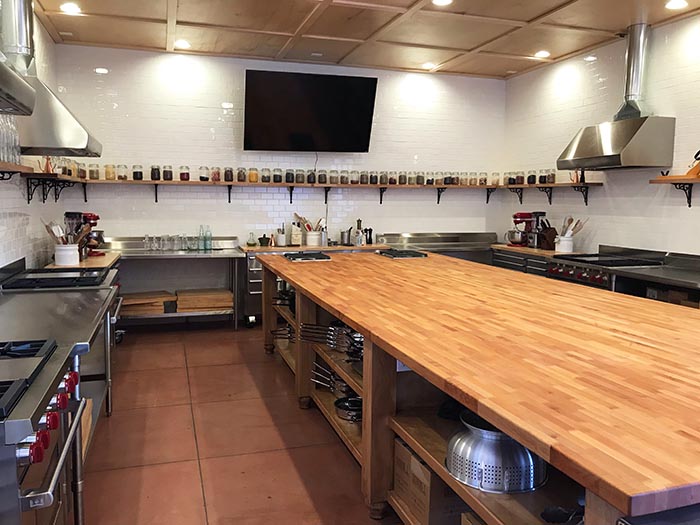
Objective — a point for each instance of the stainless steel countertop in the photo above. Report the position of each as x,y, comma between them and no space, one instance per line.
227,253
669,275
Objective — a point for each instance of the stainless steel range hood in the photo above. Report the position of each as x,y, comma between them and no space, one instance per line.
17,97
630,140
51,129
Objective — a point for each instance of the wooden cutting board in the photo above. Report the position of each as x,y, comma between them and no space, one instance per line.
159,296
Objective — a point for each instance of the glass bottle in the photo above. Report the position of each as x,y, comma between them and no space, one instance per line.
277,175
289,176
203,173
241,175
311,177
354,177
122,172
200,239
94,171
373,177
216,174
184,173
208,239
155,172
253,175
228,174
364,177
265,175
137,172
333,177
167,172
322,177
344,177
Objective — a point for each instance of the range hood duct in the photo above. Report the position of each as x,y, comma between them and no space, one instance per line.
51,129
630,140
17,97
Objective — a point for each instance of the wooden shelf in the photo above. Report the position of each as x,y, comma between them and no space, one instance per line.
401,509
8,169
287,315
680,182
336,361
289,357
350,433
428,435
177,314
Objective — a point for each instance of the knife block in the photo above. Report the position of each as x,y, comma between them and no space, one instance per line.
547,237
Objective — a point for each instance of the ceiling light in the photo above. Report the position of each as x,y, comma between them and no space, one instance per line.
316,54
511,72
101,70
227,105
429,65
181,43
70,8
542,54
590,58
676,4
442,3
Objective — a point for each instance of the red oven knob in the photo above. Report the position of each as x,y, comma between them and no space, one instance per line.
67,385
36,453
50,421
58,402
75,376
44,438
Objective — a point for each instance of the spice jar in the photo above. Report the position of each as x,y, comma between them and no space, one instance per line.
344,177
420,178
429,178
311,177
473,178
322,177
532,177
439,178
110,173
167,172
215,174
333,177
122,172
495,179
552,176
354,177
73,168
93,171
265,175
241,175
289,176
412,178
520,177
228,174
392,177
82,171
277,175
542,179
483,178
203,173
299,176
510,178
155,172
403,179
364,177
184,173
137,172
464,179
253,175
373,177
383,178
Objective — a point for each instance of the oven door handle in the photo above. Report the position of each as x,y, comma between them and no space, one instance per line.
40,499
113,319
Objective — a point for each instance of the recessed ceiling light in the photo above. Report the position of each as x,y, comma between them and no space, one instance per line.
70,8
429,65
181,43
316,54
542,54
227,105
676,4
101,70
442,3
65,33
590,58
511,72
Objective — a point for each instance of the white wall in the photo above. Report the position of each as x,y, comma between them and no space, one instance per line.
155,108
21,232
545,108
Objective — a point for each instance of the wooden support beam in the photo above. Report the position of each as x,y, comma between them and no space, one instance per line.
171,25
305,25
600,512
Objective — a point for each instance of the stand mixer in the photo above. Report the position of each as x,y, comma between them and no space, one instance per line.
524,223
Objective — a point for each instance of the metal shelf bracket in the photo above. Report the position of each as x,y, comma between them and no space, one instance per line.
518,192
33,185
84,184
489,192
230,187
291,194
688,190
583,190
326,190
382,191
440,191
155,191
548,192
7,175
59,186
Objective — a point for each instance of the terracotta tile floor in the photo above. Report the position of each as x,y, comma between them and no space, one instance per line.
206,430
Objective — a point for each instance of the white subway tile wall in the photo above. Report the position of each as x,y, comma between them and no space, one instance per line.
166,109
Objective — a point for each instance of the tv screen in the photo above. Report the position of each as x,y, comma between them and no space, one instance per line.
303,112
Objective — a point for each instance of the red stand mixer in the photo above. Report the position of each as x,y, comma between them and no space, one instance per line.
524,223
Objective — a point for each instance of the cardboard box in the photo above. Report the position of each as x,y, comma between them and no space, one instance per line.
432,502
402,470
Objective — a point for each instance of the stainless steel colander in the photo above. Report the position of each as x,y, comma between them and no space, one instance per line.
485,458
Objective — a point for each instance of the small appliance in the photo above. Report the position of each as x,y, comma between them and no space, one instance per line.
524,224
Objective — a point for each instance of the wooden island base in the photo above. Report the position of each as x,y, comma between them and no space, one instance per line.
467,361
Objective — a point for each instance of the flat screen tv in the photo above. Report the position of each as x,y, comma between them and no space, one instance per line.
303,112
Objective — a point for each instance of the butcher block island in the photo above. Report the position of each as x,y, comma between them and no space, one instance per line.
604,387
